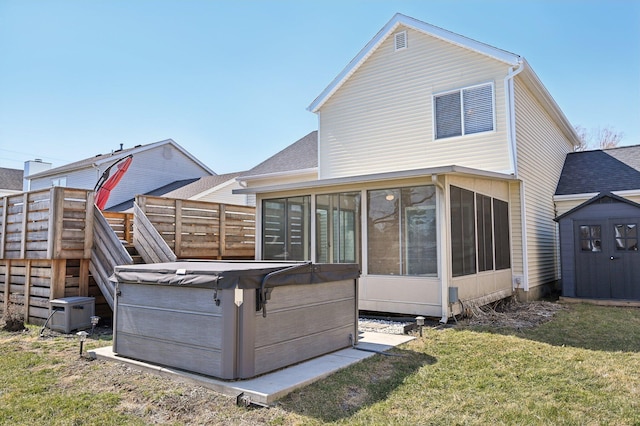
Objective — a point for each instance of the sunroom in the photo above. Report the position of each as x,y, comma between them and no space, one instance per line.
427,241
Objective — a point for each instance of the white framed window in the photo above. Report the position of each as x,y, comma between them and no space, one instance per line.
464,111
59,181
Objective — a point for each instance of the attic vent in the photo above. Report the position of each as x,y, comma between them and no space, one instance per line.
400,40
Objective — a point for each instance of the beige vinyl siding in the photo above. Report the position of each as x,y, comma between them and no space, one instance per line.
565,205
381,119
486,286
515,216
541,150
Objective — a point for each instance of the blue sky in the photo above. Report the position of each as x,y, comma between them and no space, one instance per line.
230,81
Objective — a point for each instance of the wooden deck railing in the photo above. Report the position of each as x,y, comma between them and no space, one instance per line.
45,246
53,223
55,243
201,230
122,224
148,241
108,252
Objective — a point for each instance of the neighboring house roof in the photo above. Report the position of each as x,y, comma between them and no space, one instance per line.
300,155
517,62
603,197
116,155
615,169
200,185
11,179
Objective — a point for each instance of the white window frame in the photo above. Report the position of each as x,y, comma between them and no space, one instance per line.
59,181
460,92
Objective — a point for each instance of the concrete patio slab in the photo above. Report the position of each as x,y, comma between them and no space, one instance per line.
266,389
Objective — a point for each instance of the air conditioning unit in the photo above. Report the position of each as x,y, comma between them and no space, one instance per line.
71,313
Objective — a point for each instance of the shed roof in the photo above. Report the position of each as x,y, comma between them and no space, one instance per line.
11,179
603,170
603,197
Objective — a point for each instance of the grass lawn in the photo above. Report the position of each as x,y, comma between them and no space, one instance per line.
582,367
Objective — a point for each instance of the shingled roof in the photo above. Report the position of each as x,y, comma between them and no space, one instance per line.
300,155
200,185
606,170
11,179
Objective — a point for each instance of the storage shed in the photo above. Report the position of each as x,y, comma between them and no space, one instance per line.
234,320
599,249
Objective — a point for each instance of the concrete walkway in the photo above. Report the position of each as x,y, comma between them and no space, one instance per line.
266,389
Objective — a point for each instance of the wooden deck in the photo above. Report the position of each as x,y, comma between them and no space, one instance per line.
55,243
202,230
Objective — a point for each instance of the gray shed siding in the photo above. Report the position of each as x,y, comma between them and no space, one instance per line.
595,212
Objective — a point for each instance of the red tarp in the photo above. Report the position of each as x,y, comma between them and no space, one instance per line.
105,190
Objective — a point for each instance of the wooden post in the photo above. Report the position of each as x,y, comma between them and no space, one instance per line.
88,225
27,290
178,229
25,221
3,230
58,276
56,211
7,286
127,228
222,243
83,287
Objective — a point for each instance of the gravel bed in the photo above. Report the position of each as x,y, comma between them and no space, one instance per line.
382,326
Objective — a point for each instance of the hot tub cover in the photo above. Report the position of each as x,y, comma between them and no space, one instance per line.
227,275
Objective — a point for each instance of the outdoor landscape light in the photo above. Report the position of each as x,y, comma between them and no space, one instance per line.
82,335
420,322
94,321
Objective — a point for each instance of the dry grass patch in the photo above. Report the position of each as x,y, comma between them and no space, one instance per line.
577,366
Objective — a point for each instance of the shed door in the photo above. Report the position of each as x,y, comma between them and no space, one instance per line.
607,259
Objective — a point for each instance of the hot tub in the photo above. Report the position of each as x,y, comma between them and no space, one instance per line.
234,320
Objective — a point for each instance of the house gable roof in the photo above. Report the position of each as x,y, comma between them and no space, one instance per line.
114,156
406,21
603,197
11,179
615,169
300,155
525,73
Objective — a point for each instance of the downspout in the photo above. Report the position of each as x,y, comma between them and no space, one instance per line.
443,249
511,135
509,99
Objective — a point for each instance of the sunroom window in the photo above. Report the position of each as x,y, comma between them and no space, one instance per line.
479,233
338,228
401,228
463,112
286,228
